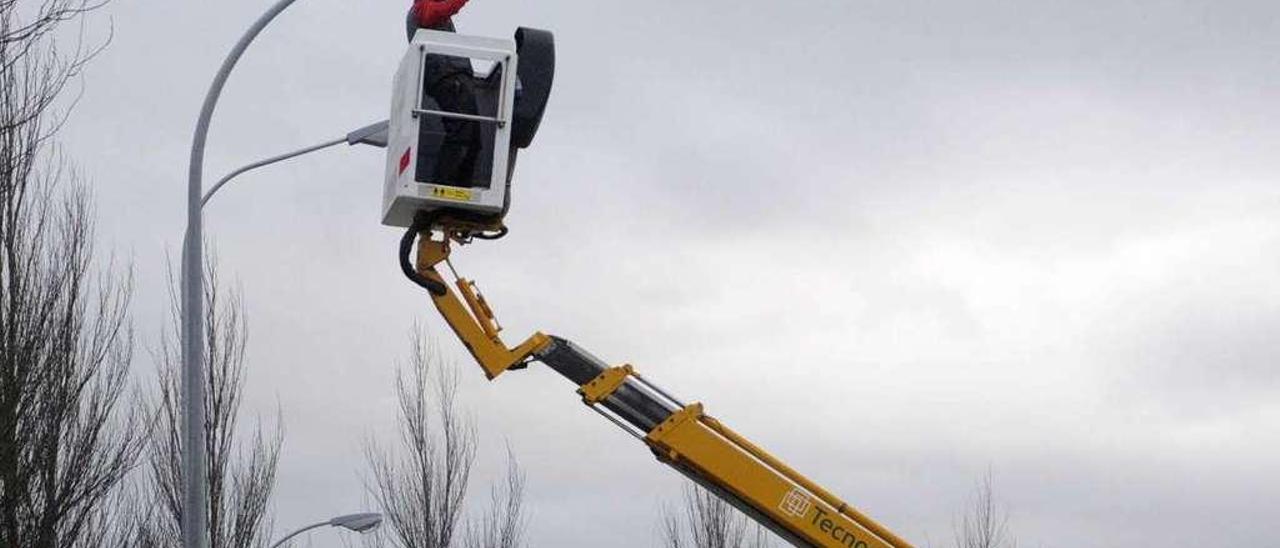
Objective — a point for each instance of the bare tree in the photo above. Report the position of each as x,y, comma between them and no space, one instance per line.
503,526
67,439
706,521
421,484
241,474
983,524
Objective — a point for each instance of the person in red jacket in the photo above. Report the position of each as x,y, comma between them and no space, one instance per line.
451,82
433,14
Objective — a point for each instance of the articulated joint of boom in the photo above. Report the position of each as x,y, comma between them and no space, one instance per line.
604,385
473,322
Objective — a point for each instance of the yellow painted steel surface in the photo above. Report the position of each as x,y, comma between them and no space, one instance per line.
479,307
687,439
604,385
690,440
478,332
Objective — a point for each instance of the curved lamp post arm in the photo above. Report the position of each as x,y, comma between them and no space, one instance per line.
195,514
372,135
266,162
298,532
360,523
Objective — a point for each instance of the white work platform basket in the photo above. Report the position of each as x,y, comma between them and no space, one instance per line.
420,128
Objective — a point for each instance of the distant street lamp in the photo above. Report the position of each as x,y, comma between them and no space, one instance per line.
360,523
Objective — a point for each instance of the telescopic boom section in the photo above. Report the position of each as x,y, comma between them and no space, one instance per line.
679,434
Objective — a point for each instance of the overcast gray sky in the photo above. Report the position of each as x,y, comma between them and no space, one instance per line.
898,243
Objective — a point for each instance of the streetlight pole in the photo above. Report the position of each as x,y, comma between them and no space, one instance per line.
195,478
372,135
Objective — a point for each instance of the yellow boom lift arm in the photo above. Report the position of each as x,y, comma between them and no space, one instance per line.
681,435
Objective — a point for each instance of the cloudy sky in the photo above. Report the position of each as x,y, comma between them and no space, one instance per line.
898,243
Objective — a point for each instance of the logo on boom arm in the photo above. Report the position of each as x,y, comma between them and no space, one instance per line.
795,503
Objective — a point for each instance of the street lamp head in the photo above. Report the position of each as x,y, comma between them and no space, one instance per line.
360,523
372,135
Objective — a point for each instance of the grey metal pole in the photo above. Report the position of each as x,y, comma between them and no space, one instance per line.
195,478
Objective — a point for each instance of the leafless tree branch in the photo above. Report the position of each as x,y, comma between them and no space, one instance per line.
421,482
706,521
68,437
503,526
241,474
983,524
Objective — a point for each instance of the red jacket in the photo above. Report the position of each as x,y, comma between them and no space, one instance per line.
434,14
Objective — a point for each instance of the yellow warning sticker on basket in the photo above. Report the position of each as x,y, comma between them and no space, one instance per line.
449,193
